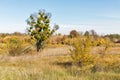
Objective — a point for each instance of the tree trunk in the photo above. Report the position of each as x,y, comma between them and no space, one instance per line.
38,49
38,45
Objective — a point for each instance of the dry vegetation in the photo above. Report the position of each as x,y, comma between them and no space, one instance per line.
95,59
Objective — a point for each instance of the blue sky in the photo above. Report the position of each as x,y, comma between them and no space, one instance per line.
101,15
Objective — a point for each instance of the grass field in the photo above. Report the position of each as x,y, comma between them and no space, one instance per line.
55,64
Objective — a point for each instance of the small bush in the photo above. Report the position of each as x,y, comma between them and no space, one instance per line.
105,44
14,46
81,52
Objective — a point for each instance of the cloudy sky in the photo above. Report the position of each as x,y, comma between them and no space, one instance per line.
101,15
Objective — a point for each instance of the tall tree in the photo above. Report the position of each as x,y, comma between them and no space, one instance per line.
39,27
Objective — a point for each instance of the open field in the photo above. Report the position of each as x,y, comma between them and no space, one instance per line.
80,42
112,50
54,64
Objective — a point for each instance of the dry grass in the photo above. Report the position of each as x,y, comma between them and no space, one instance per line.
55,64
112,50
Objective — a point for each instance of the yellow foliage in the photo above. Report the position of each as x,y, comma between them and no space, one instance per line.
81,52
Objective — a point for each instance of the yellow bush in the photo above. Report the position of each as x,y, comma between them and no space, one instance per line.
14,46
81,52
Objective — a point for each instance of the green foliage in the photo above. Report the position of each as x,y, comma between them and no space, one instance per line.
40,27
81,52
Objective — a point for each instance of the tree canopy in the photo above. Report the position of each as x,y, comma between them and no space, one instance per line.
39,27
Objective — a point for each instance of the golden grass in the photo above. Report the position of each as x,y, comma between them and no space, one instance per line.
52,64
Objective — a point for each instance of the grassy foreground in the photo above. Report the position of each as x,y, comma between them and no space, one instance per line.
39,67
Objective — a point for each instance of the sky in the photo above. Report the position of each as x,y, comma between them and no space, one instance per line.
103,16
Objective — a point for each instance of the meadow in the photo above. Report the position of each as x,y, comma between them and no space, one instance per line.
20,61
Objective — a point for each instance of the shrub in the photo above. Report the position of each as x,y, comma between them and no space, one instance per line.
81,52
14,46
105,44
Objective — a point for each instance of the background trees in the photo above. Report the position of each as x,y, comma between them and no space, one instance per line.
40,27
73,33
